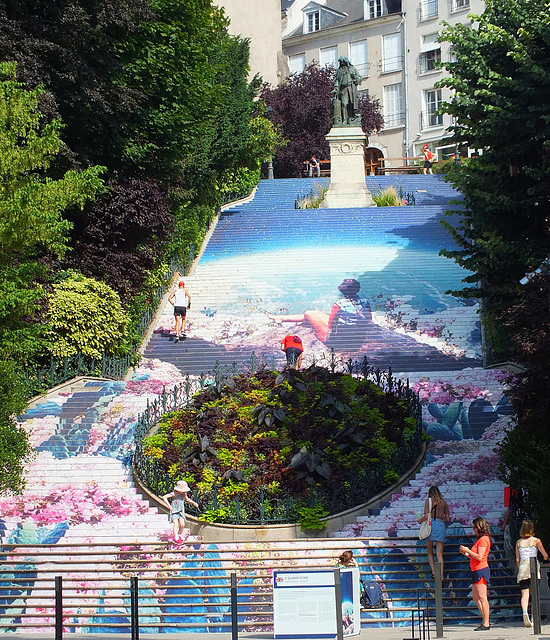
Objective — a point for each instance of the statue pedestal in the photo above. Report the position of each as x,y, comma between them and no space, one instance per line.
347,170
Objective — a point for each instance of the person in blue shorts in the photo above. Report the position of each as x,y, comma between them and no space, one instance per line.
436,509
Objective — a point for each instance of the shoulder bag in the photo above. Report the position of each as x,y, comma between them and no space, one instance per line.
426,526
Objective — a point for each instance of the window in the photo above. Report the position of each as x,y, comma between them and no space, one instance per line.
313,21
394,114
429,60
432,103
297,63
391,53
428,9
373,9
459,5
329,57
358,56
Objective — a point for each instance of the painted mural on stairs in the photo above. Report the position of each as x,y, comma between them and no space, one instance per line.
78,505
276,271
258,270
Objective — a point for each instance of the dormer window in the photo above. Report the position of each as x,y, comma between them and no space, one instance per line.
317,17
373,9
313,21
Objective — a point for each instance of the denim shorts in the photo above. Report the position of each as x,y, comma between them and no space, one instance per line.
438,533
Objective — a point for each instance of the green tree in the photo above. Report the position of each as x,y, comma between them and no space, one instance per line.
15,449
500,80
85,316
171,60
32,226
500,77
526,449
75,49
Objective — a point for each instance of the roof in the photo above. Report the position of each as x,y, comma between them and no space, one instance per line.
352,11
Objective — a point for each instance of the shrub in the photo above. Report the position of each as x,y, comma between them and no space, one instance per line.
85,316
387,198
313,199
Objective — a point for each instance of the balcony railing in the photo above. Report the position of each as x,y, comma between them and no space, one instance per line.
392,64
428,10
431,119
429,61
394,119
459,5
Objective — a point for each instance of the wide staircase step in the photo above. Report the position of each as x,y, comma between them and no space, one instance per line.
239,287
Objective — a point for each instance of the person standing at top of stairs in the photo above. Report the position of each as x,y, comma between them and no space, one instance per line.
181,300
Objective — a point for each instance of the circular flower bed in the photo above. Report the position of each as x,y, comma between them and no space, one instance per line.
286,446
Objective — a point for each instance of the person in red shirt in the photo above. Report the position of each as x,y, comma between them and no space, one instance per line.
292,346
481,574
428,159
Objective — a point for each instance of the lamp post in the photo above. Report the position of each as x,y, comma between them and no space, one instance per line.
270,175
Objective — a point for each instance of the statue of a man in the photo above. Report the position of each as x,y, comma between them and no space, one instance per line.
344,92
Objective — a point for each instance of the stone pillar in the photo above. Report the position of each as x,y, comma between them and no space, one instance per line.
347,170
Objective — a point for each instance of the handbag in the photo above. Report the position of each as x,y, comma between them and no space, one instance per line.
426,526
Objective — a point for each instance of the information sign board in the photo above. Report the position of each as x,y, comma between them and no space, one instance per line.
304,604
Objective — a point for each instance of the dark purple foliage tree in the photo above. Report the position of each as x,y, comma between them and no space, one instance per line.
121,236
302,107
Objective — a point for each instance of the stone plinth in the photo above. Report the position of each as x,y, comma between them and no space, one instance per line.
347,170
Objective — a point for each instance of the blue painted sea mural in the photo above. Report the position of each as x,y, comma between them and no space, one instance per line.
365,283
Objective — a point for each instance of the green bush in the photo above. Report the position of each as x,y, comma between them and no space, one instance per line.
311,518
387,198
239,181
85,316
15,449
313,199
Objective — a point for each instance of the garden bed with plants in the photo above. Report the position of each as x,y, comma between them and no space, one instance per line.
294,446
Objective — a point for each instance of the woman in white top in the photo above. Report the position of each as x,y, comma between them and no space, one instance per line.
526,548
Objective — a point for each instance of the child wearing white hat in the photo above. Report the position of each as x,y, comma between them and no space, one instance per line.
178,499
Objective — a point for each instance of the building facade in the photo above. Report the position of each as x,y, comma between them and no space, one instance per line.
423,55
393,43
369,33
260,22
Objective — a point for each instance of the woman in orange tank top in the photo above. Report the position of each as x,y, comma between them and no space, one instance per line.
481,574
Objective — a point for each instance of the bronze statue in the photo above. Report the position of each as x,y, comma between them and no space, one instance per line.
345,100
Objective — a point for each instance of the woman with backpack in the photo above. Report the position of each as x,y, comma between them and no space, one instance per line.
436,509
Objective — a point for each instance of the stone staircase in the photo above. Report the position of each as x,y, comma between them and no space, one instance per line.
265,259
81,516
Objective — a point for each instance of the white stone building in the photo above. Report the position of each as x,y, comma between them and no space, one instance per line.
260,22
423,20
393,45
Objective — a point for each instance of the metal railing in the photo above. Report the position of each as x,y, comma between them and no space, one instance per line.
431,119
459,5
394,119
128,587
427,10
261,508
